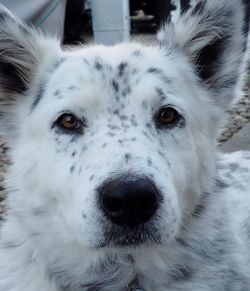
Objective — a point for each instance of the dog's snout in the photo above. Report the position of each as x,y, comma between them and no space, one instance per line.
129,201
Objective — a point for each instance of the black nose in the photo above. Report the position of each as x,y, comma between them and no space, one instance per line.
129,201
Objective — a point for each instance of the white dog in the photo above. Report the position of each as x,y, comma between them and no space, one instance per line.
114,182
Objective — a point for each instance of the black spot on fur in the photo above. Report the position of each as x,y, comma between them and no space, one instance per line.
57,139
72,169
144,104
133,121
121,68
86,62
181,242
149,161
181,274
137,53
153,70
115,86
146,134
113,127
73,154
201,207
160,153
126,91
246,157
126,126
127,157
84,148
158,72
151,176
111,134
58,63
199,210
116,112
91,177
40,91
134,71
160,93
233,167
57,92
123,117
39,212
220,184
121,141
98,66
74,136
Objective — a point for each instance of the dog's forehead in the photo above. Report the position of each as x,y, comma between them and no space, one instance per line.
118,72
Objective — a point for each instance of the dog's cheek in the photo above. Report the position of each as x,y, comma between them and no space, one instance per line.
183,173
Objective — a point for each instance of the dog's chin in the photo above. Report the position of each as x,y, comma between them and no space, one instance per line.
126,237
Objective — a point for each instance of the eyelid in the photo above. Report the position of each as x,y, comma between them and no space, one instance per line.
176,107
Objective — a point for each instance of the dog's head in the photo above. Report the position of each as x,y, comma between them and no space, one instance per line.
114,146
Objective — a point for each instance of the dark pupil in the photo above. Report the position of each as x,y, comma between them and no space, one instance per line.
69,119
167,114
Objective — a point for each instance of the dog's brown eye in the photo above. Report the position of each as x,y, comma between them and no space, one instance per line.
168,116
68,122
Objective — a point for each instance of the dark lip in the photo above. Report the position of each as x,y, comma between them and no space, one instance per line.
123,236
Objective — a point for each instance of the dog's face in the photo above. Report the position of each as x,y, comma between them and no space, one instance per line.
111,144
114,146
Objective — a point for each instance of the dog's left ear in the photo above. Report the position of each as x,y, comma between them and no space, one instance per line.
213,35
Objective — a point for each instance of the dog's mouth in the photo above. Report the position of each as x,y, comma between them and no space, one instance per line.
123,236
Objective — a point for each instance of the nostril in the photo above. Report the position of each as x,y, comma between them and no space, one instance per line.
129,201
112,201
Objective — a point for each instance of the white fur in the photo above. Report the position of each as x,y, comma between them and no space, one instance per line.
52,231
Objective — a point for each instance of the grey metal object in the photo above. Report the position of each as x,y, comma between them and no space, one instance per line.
47,15
111,21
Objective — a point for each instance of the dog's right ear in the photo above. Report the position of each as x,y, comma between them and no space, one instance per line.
22,50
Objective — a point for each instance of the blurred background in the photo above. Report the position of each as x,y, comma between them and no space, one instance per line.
109,21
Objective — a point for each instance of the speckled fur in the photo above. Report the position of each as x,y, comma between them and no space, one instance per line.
54,236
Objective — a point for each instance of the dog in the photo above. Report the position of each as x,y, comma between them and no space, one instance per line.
115,181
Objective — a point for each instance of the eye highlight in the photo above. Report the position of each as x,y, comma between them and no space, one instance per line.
168,117
69,123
